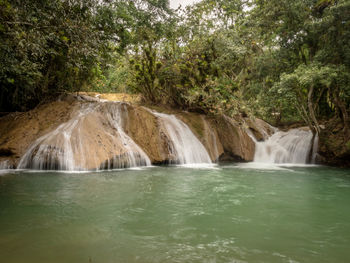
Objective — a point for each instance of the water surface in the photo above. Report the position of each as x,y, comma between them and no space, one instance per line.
230,213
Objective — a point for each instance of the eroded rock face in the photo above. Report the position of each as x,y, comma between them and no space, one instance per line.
260,129
236,142
88,135
147,132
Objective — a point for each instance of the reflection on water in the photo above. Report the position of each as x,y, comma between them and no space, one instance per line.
230,213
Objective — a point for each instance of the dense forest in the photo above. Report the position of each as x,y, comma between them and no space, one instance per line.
281,60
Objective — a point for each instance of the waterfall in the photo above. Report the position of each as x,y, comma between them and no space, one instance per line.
212,137
133,154
293,146
72,147
4,165
314,149
184,145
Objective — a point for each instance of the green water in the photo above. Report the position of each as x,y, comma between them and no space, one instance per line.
173,214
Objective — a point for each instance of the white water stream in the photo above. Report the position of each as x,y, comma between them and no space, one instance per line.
293,146
68,147
184,145
4,165
133,155
212,137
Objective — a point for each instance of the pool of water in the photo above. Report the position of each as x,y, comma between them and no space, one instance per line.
228,213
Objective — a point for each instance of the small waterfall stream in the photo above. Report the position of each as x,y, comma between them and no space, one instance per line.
54,151
293,146
69,147
4,165
212,137
185,146
314,149
133,154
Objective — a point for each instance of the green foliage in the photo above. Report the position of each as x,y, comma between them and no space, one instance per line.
305,60
50,47
280,60
47,47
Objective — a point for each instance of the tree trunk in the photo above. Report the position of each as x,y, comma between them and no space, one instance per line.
344,113
306,117
311,110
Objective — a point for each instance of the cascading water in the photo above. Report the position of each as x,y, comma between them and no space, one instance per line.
184,145
133,154
314,149
293,146
69,146
212,137
54,151
4,165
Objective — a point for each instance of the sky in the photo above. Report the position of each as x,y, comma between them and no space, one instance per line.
176,3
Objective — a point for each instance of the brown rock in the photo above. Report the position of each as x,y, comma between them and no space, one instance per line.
237,144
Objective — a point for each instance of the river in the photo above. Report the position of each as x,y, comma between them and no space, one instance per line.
227,213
